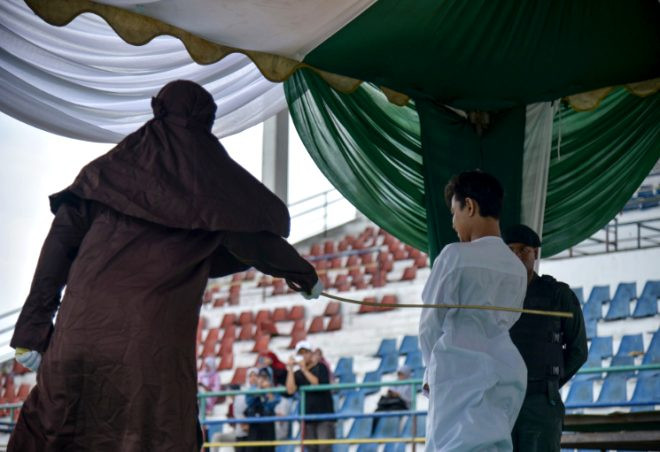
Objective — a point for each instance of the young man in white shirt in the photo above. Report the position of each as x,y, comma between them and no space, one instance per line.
475,377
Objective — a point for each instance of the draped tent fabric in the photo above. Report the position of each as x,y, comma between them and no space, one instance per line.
83,82
604,156
598,160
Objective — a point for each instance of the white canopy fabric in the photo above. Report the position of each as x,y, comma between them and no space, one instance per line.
83,81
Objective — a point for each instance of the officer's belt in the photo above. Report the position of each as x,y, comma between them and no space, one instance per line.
538,386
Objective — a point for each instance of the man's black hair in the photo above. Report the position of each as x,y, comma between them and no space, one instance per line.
482,187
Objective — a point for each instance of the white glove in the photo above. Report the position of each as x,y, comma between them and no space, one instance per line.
28,358
316,291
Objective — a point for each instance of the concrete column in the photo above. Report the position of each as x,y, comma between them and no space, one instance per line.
275,162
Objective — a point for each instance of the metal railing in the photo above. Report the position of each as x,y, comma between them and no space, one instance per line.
324,209
617,236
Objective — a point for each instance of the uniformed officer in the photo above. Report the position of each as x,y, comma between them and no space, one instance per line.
553,348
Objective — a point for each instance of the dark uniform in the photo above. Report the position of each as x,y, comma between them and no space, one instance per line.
554,348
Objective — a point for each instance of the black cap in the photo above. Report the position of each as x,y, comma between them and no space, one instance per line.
520,233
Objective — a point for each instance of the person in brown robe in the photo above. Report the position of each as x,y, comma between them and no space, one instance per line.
134,240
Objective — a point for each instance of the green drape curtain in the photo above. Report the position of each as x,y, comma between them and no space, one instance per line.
370,150
601,159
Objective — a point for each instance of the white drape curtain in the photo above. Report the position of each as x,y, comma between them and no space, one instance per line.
84,82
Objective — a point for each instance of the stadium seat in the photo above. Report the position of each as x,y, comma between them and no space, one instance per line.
361,428
336,262
592,362
296,336
344,366
246,333
359,282
279,287
420,427
631,344
261,344
335,323
226,346
264,281
226,362
409,274
296,313
652,356
614,390
601,347
386,347
332,308
378,279
387,427
367,259
239,376
228,320
229,333
410,343
647,303
389,300
279,315
580,393
245,317
263,315
579,294
219,302
623,360
316,326
593,309
414,360
315,250
388,363
266,327
370,377
421,261
620,304
591,326
647,392
298,325
209,343
353,403
365,309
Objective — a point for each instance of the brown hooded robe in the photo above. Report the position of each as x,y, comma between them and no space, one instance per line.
134,239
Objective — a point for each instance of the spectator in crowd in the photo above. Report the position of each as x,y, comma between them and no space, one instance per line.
318,357
277,367
236,410
313,373
396,398
208,380
262,405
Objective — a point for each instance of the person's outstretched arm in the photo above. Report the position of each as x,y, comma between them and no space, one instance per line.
35,323
272,255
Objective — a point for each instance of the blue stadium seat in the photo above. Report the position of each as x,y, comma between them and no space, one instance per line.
370,377
344,366
367,448
601,347
387,347
347,378
630,344
647,390
620,305
614,390
395,447
414,360
361,428
580,393
593,308
647,303
418,373
579,293
652,356
623,360
388,363
591,327
353,403
420,424
388,427
591,363
409,344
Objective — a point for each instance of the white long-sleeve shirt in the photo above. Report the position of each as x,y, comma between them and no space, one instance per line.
476,376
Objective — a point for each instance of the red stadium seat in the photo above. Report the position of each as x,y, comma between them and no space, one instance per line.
389,300
335,323
237,277
263,315
342,245
364,308
315,250
239,377
367,258
329,247
336,262
279,287
297,313
246,317
267,327
226,346
209,342
332,308
230,333
250,274
23,391
340,280
296,337
421,261
409,274
219,302
400,254
264,281
247,332
316,326
279,315
378,280
261,344
359,282
352,261
226,362
228,319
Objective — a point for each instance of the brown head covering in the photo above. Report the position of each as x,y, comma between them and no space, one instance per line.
174,172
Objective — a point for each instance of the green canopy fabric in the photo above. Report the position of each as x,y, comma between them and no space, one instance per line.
371,151
486,54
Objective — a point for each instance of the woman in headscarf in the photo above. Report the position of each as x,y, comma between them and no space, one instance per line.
208,379
134,239
278,368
